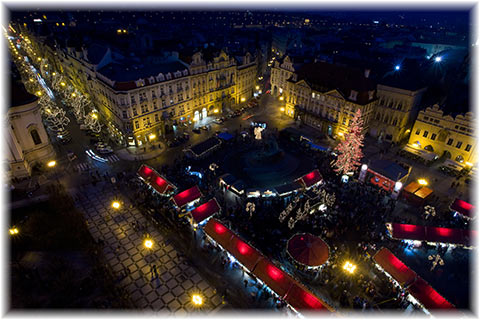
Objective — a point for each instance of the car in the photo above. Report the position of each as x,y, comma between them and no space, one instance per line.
196,130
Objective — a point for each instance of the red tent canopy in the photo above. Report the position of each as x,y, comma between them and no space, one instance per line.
244,253
445,235
300,298
308,249
408,231
187,196
145,171
396,268
430,298
311,178
205,210
278,280
462,207
218,232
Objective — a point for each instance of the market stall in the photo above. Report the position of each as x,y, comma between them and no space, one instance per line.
385,173
308,250
427,296
188,196
205,211
406,231
389,263
463,208
311,179
416,194
160,184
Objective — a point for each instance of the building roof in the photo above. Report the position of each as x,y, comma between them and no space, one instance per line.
127,73
389,169
95,53
407,78
323,77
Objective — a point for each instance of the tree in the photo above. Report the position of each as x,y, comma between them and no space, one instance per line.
350,150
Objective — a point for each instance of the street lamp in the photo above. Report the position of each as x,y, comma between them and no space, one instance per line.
423,182
52,164
13,231
438,59
152,136
349,267
282,109
281,98
215,111
197,300
148,243
74,95
62,84
116,205
94,116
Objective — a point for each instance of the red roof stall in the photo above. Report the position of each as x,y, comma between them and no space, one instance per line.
187,196
444,235
205,210
218,232
278,280
393,266
160,184
308,249
463,208
300,298
408,231
244,253
311,178
427,296
145,172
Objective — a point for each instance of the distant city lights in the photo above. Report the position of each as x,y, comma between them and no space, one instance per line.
438,59
397,67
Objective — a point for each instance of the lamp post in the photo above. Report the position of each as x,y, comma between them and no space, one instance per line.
52,164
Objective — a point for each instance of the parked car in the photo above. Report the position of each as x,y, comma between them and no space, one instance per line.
196,130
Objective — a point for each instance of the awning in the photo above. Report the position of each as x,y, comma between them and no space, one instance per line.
225,136
205,210
423,192
463,207
429,156
316,146
393,266
444,235
311,178
155,180
412,187
449,163
278,280
145,172
300,298
218,232
288,188
427,296
308,249
244,253
187,196
408,231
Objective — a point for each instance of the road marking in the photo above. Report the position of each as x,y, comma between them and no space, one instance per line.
83,166
113,158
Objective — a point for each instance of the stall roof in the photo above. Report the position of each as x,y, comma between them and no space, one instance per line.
155,180
463,207
412,187
274,277
316,146
145,171
408,231
218,232
302,299
429,156
187,196
311,178
444,235
244,253
203,147
205,210
393,266
225,136
288,187
423,192
388,169
308,249
430,298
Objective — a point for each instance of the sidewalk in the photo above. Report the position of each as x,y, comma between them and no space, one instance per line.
130,154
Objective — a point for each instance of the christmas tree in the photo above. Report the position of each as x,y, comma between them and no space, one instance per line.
350,150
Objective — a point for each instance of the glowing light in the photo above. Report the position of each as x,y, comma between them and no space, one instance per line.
349,267
116,205
94,116
54,73
148,244
364,167
197,299
215,111
63,24
257,87
423,182
13,231
242,99
397,67
52,164
281,98
62,84
282,109
469,164
220,228
340,134
152,136
38,93
438,59
39,59
74,95
274,273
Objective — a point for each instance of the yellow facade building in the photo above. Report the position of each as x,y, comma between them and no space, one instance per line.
445,135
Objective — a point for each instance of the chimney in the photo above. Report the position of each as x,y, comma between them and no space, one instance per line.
367,73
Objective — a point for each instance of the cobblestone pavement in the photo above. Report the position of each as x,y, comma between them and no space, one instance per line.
171,290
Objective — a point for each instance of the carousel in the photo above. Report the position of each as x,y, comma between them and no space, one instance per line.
307,251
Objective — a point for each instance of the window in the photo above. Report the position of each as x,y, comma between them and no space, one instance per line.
124,114
468,147
155,106
145,122
134,112
35,137
156,117
449,142
417,132
459,144
425,134
137,124
433,136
